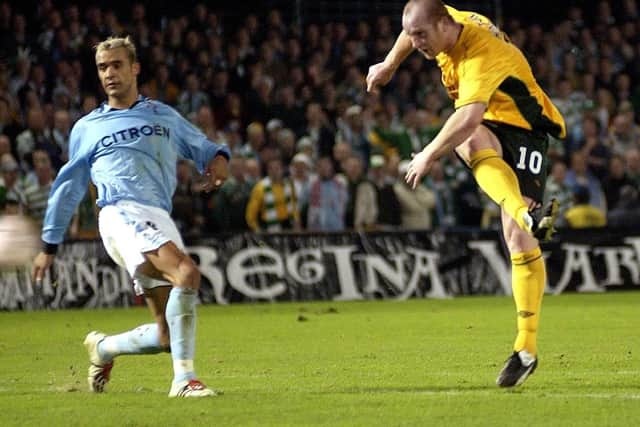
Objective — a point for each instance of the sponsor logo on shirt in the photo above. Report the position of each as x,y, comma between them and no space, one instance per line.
134,133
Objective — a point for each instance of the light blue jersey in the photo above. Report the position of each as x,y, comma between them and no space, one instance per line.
130,155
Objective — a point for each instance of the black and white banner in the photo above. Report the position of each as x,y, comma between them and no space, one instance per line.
338,266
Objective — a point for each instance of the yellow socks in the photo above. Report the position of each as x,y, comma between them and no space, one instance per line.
498,180
528,278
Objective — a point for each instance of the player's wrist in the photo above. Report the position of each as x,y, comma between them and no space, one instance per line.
49,248
223,152
391,63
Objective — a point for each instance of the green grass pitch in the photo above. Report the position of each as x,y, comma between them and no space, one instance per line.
386,363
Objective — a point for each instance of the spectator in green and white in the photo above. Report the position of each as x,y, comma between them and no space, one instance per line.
273,205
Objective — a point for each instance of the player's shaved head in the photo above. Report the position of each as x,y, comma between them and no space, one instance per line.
430,26
432,10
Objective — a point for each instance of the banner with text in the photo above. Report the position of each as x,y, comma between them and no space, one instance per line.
337,266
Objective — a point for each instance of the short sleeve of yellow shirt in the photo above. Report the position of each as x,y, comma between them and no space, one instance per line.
479,76
483,67
476,84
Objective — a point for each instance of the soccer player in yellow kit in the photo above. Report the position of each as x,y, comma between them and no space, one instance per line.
500,129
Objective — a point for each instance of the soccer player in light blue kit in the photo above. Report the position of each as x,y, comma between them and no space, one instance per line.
128,147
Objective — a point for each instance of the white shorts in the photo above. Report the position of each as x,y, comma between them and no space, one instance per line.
130,229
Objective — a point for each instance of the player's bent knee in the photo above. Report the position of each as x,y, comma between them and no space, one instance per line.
189,274
481,139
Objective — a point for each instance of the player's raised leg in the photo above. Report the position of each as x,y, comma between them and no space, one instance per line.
483,154
179,269
499,182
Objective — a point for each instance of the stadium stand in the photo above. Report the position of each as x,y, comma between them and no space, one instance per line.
288,78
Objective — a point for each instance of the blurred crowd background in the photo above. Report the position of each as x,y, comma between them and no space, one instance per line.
312,149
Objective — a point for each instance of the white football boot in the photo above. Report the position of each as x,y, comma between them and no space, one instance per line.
191,388
99,370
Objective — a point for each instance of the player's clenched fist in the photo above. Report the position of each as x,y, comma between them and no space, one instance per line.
217,173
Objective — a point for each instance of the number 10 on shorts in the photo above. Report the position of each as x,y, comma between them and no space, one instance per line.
534,160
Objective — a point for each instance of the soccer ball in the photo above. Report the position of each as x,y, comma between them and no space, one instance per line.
19,240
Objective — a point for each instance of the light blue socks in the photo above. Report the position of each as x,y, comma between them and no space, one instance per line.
144,339
181,317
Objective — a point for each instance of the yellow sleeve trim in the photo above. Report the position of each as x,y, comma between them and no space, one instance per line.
459,104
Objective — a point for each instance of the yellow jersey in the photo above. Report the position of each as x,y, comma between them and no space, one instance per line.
485,67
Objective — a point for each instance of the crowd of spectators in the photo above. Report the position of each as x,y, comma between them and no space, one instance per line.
312,149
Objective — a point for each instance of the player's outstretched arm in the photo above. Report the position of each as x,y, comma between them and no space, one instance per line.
67,191
381,73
